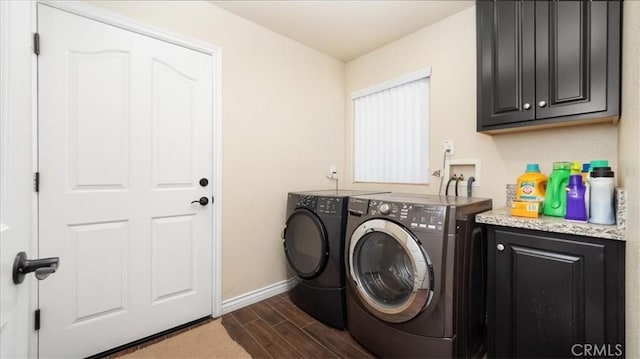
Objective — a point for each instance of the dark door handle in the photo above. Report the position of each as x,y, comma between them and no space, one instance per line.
203,201
42,267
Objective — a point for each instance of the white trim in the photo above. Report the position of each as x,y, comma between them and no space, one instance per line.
110,18
400,80
83,9
17,19
5,31
257,295
35,235
217,189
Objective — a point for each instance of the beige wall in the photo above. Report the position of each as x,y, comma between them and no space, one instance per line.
629,168
449,47
282,126
273,87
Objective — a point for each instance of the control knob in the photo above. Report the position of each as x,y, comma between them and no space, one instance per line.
384,208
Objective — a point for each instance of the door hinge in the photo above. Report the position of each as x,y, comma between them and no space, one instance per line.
36,43
36,181
36,323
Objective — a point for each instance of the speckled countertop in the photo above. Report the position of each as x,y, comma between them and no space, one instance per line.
502,217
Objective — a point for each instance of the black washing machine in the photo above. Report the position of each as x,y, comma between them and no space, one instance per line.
314,241
416,275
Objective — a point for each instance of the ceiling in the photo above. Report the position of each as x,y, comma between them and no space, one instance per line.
344,30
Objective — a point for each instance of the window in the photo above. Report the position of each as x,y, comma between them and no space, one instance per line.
391,131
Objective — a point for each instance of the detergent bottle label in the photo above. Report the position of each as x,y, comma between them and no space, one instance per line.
527,189
531,187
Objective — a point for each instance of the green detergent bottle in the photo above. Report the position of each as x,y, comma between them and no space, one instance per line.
555,199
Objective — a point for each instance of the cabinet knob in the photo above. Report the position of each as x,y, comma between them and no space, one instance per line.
542,103
527,106
500,247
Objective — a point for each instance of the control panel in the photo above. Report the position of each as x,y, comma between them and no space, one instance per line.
358,206
307,201
330,205
321,204
415,216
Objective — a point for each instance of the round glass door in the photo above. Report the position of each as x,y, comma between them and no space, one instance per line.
391,271
305,244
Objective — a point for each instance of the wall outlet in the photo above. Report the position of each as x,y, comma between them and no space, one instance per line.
448,145
333,172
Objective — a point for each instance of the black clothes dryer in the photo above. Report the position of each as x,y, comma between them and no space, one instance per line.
416,275
314,241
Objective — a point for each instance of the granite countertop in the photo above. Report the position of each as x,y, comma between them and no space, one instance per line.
502,217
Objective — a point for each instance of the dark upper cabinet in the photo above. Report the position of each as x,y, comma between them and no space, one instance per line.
544,63
548,292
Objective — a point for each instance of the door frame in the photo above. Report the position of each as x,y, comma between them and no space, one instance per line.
26,13
18,21
110,18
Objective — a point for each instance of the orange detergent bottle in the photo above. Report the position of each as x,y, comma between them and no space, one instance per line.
532,185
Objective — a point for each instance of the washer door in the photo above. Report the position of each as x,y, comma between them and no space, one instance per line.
392,273
306,244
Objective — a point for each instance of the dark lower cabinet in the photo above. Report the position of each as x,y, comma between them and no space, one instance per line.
543,63
553,295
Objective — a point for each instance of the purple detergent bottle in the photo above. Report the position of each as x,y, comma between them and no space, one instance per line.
576,209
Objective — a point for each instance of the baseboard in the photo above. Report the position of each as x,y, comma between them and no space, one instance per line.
243,300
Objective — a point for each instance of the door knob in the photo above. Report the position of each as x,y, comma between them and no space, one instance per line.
43,267
500,247
203,201
542,103
527,106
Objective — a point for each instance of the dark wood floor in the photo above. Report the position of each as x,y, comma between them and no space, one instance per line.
276,328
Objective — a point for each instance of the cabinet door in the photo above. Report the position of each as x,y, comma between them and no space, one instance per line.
573,60
506,69
547,295
543,63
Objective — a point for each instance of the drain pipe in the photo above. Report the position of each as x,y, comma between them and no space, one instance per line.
470,181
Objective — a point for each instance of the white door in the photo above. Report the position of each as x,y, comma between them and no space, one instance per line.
16,178
125,136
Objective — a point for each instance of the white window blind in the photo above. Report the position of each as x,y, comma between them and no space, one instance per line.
391,131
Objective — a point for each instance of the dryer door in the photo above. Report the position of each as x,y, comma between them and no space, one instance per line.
305,243
392,273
